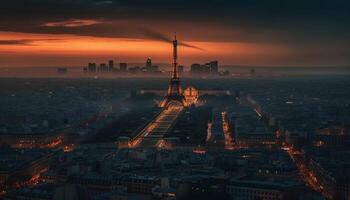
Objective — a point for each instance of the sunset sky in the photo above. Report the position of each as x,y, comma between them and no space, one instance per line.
237,32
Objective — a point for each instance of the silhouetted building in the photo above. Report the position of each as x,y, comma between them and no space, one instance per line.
214,66
149,65
211,67
195,68
110,65
103,67
205,68
329,166
257,187
92,67
123,67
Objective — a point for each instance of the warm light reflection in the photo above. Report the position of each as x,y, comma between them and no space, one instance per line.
227,133
173,111
39,142
54,143
34,179
199,151
68,148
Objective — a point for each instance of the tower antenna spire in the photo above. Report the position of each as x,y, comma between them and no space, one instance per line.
175,72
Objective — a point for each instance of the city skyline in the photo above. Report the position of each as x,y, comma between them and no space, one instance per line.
174,100
272,33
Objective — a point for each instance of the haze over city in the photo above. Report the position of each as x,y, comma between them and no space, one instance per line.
174,100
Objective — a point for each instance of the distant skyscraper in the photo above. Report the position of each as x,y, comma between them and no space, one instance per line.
149,65
205,68
195,68
103,67
123,67
110,65
92,67
211,67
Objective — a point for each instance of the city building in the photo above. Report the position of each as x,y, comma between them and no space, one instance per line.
266,188
207,68
110,65
329,166
214,67
92,67
196,68
149,65
103,67
25,166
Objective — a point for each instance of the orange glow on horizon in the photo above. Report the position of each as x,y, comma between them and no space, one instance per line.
63,48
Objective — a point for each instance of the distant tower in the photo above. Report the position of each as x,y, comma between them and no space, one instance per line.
149,65
174,93
110,65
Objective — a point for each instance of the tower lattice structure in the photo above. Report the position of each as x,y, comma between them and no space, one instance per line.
174,92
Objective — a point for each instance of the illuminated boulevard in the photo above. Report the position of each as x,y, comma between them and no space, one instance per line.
153,133
305,173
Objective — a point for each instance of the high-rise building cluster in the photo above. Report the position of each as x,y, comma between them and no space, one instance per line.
207,68
210,68
103,67
123,67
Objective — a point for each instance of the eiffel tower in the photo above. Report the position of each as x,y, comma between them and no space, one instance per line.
174,93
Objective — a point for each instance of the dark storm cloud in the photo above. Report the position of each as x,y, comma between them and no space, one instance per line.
279,21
